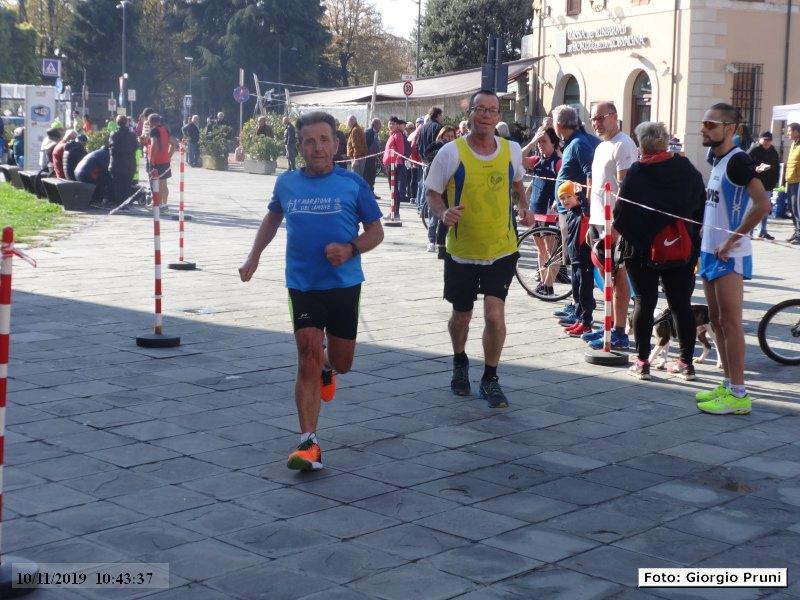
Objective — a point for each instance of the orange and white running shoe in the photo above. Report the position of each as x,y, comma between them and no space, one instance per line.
307,457
327,385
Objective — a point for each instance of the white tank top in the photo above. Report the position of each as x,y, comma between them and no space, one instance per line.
726,206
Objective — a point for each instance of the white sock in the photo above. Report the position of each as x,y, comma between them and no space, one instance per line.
726,382
740,391
304,437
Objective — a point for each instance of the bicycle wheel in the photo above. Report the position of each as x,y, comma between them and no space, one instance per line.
423,215
779,332
532,267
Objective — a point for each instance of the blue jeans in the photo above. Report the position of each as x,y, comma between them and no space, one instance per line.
793,199
193,154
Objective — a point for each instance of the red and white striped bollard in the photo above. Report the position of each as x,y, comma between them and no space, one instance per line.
394,208
10,566
181,265
605,356
157,339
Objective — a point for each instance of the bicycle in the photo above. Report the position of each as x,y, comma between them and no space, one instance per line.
546,278
779,332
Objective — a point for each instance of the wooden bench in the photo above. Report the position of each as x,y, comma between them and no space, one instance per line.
11,174
74,195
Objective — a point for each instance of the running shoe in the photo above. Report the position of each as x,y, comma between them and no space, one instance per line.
327,384
682,368
431,247
579,330
441,252
568,310
568,321
575,325
491,391
307,457
727,403
640,369
593,335
766,236
618,342
711,394
459,384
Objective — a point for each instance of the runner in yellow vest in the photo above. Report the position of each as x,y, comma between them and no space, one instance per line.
482,175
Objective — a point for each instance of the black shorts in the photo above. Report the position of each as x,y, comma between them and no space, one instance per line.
463,283
164,171
334,311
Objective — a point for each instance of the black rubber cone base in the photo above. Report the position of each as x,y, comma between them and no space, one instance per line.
177,218
606,359
158,340
182,266
21,568
397,223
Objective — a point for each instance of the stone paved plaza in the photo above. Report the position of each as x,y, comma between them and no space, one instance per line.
121,454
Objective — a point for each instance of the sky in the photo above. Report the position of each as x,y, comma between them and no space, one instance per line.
399,16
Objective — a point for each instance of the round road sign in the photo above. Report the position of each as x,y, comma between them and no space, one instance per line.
408,88
241,94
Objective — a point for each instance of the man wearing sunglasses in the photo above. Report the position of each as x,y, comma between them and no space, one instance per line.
481,173
735,201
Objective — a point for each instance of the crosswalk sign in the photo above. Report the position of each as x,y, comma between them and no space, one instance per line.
51,67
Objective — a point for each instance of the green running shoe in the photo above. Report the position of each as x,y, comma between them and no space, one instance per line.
711,394
727,404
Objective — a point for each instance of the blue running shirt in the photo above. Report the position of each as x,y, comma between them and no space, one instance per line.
319,211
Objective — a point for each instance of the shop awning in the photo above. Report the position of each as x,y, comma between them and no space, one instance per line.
450,84
786,112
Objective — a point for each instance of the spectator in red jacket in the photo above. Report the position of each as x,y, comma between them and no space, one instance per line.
58,153
393,155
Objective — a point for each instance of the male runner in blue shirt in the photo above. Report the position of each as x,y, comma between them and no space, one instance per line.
323,205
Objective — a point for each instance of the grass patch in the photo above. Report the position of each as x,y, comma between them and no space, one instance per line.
25,213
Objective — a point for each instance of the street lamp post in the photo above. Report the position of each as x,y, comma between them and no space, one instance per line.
123,100
419,24
190,60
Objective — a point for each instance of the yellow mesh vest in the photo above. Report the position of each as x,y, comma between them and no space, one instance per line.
483,187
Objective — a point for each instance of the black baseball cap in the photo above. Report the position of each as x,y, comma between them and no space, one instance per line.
767,135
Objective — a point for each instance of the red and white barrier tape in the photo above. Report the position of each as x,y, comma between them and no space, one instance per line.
10,249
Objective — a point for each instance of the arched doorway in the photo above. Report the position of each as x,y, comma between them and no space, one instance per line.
572,93
641,100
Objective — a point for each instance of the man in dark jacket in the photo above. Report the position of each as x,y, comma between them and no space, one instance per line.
290,142
94,169
74,152
123,159
768,165
428,134
373,147
192,134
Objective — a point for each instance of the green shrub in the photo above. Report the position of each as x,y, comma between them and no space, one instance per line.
97,139
260,147
215,143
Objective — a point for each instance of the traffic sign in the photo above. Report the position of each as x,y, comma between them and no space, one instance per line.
241,94
59,85
187,101
51,67
131,95
408,88
407,77
112,105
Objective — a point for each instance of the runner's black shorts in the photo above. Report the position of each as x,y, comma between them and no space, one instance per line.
334,311
463,283
164,171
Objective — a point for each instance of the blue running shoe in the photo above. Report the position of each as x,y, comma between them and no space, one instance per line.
593,335
618,342
568,321
567,311
491,391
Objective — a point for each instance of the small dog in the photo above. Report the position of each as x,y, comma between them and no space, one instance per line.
664,328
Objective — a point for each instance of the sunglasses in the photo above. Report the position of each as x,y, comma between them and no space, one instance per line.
714,124
598,118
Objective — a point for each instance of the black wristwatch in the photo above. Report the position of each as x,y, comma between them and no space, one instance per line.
356,251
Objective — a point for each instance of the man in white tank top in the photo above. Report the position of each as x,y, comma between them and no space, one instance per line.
735,201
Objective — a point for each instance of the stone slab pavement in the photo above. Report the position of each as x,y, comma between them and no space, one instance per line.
121,454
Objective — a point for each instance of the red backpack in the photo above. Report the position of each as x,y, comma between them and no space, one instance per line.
672,246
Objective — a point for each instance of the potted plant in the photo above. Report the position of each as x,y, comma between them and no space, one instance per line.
260,151
214,148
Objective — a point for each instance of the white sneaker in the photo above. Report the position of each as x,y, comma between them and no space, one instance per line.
431,247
